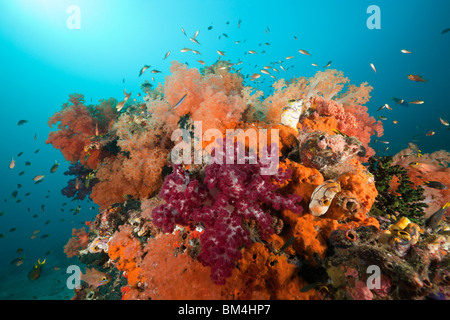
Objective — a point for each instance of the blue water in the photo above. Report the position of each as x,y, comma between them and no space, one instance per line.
43,61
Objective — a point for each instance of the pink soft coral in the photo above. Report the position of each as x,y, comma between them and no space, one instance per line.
223,202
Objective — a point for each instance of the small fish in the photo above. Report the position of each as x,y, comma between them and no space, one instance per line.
445,31
327,65
221,53
95,278
143,70
35,136
184,32
167,54
405,51
255,76
400,101
156,71
37,150
19,154
225,35
38,177
430,133
444,122
180,101
27,163
304,52
201,62
12,229
289,57
2,236
14,194
185,50
210,27
12,164
14,261
435,219
21,173
36,271
22,122
385,142
120,105
435,185
196,52
45,236
286,245
2,213
282,68
385,106
252,52
415,77
54,167
264,71
382,118
395,121
373,67
194,40
239,23
417,102
196,34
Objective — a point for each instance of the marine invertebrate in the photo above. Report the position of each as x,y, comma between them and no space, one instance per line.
223,201
78,242
405,200
81,185
77,125
213,98
126,252
322,196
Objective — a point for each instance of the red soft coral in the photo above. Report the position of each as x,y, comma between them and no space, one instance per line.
77,125
78,242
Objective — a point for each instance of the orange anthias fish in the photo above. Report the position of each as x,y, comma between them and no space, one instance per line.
36,271
95,278
415,77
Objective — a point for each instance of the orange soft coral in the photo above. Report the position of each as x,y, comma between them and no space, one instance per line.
78,242
138,176
77,125
214,99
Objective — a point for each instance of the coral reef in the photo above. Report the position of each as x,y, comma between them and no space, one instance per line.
296,216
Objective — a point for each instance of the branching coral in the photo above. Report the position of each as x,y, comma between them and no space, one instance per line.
223,202
78,242
405,200
77,126
81,186
324,94
214,98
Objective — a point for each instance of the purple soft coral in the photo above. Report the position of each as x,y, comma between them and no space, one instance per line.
81,189
228,195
